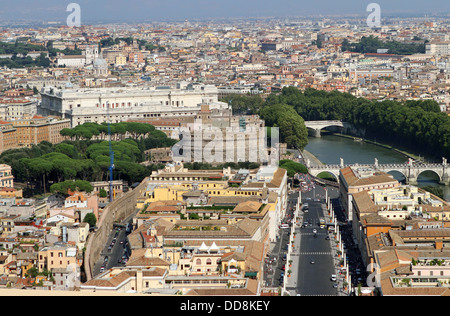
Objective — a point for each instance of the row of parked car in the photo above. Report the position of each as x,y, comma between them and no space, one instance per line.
105,262
115,240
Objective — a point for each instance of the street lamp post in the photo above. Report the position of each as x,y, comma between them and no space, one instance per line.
299,196
349,282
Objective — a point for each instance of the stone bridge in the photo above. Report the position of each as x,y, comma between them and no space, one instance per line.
317,126
410,170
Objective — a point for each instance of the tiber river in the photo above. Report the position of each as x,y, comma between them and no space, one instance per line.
330,148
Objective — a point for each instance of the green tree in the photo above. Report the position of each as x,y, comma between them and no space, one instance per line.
77,185
292,167
32,272
90,219
67,149
292,126
103,193
244,104
40,168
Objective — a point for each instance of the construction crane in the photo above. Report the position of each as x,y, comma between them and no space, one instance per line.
111,156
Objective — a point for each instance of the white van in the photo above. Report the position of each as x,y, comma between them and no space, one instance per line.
284,226
333,277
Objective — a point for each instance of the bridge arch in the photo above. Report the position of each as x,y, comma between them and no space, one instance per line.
317,126
314,132
397,171
330,173
335,125
316,171
430,171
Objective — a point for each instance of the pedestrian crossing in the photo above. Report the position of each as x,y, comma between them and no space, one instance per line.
306,253
317,295
318,234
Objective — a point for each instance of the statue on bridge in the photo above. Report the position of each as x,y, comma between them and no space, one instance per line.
444,160
341,162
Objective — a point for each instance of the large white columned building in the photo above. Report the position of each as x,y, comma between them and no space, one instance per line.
125,103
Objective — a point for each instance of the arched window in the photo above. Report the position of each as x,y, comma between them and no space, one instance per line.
198,261
208,261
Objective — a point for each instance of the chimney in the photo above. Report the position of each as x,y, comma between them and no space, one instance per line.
64,234
139,280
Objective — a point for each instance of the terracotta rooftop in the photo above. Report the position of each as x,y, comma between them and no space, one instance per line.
248,207
353,180
364,203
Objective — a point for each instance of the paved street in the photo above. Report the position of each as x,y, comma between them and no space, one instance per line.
315,262
114,249
314,258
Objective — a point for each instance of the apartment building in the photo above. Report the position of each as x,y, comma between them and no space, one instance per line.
55,126
31,131
148,280
57,257
76,61
438,48
402,234
380,210
170,210
14,109
120,61
78,199
8,136
271,46
207,230
353,180
6,176
27,132
7,225
136,58
76,233
411,262
370,73
117,185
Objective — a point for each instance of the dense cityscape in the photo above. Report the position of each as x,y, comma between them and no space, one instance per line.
178,158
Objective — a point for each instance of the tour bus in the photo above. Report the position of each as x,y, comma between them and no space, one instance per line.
322,222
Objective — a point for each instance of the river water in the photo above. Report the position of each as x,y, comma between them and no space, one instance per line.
330,148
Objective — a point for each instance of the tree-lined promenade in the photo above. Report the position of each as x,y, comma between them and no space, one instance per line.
84,158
